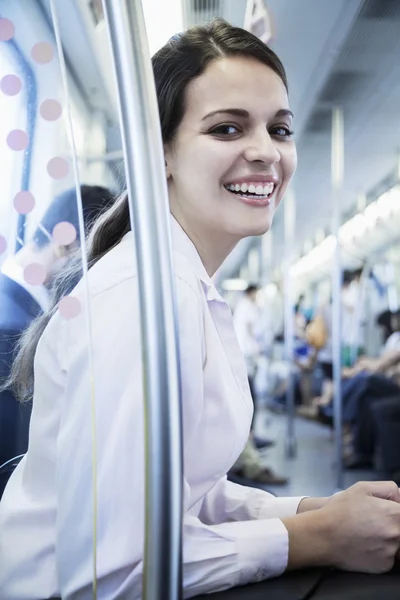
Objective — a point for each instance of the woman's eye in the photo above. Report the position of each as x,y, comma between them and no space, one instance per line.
283,132
225,130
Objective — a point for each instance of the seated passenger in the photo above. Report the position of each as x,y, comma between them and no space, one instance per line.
21,302
370,380
229,154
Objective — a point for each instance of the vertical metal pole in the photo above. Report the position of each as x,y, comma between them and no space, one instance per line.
148,203
266,256
393,302
337,186
290,227
253,264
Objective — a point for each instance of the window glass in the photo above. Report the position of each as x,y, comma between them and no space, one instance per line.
13,117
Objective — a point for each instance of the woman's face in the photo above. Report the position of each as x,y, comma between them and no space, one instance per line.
233,155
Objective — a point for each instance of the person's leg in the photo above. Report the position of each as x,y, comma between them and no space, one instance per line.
364,437
253,397
352,390
249,461
259,442
375,389
386,417
250,466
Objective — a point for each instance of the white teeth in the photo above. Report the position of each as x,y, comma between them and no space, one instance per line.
269,188
258,190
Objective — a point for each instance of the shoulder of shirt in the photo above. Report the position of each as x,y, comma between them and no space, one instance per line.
119,266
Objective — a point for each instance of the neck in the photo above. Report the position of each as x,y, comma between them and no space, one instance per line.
213,248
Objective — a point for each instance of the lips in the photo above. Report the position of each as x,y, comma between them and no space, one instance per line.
252,199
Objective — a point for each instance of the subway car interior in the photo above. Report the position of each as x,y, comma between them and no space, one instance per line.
169,442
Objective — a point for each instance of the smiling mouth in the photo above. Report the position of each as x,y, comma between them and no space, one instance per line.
253,194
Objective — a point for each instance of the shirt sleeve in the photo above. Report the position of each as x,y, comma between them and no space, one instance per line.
218,557
228,501
241,528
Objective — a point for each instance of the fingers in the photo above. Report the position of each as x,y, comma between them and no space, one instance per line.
387,490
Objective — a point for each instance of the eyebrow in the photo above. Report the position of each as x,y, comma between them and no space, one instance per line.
240,112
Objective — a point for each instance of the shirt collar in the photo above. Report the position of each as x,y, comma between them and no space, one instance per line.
183,245
39,293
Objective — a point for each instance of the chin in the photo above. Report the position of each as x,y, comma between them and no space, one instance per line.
256,226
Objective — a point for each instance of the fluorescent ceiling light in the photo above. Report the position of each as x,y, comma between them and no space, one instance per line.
355,228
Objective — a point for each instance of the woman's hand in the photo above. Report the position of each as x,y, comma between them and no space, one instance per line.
366,527
356,530
308,504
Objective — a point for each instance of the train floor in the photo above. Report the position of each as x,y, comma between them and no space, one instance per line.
312,471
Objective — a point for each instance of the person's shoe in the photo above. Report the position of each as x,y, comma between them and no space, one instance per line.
268,477
261,443
308,412
264,477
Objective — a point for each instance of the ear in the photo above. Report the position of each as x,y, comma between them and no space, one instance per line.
167,162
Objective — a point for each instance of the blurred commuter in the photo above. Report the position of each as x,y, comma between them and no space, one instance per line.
352,327
247,322
300,321
229,156
21,302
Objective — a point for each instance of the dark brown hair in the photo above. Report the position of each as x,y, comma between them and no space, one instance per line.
182,59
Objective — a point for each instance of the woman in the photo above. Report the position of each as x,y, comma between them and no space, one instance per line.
229,157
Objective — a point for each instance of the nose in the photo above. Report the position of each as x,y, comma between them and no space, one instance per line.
261,147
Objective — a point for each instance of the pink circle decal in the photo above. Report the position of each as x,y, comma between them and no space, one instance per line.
7,30
50,110
58,167
3,244
64,233
10,85
35,274
24,203
69,307
42,53
17,140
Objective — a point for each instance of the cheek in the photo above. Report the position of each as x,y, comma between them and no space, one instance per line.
207,162
289,162
288,165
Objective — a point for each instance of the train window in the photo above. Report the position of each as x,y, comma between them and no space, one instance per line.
13,116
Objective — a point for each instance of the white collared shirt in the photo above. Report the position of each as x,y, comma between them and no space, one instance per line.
14,271
232,534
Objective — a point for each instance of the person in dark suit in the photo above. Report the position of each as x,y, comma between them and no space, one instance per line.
21,302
